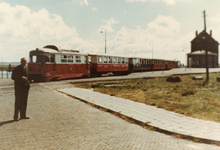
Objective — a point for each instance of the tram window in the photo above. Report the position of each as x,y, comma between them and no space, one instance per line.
78,59
42,59
52,58
47,59
119,60
90,59
99,59
70,58
85,59
110,59
34,59
126,60
123,60
105,59
63,58
114,60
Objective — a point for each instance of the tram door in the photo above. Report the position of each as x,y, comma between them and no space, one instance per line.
52,60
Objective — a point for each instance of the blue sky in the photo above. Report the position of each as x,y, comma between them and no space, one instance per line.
133,27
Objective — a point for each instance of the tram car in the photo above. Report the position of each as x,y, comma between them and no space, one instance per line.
103,63
137,64
51,62
170,64
158,64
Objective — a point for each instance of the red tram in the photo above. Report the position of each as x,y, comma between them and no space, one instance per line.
102,63
158,64
172,64
51,62
139,64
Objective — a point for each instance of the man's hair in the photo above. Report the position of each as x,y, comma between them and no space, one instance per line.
23,59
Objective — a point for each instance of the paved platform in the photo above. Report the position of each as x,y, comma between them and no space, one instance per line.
153,116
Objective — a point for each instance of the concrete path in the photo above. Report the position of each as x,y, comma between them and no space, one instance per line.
156,117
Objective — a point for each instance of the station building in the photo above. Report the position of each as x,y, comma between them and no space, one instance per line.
203,41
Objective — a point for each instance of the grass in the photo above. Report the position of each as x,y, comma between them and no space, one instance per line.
188,97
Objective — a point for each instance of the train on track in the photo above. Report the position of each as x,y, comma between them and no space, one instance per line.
53,63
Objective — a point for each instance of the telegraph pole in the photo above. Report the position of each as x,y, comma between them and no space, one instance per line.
206,51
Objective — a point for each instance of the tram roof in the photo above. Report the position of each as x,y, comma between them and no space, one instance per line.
140,58
60,51
172,60
108,55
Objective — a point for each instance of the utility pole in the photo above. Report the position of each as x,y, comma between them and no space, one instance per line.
204,20
206,51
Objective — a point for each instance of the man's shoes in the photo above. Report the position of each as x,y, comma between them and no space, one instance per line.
24,118
16,119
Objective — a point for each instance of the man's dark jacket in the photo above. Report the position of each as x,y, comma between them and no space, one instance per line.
21,91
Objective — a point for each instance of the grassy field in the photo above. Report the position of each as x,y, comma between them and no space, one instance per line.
189,97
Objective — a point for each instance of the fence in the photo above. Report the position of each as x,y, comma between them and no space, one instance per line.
6,71
5,74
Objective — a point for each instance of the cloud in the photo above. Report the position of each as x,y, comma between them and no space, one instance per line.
214,22
94,9
22,24
164,26
82,2
167,2
162,36
108,24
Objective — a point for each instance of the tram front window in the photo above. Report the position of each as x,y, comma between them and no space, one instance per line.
39,59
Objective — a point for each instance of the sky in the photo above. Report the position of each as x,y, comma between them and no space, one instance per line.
160,29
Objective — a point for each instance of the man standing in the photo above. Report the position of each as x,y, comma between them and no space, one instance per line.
21,86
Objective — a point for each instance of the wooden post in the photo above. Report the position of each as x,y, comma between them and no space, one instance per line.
207,65
204,21
206,52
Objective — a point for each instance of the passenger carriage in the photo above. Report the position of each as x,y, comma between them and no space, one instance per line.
103,63
52,62
139,64
172,64
158,64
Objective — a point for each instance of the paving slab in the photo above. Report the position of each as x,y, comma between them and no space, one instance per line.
153,116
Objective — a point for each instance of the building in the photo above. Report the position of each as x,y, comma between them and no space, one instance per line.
202,42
